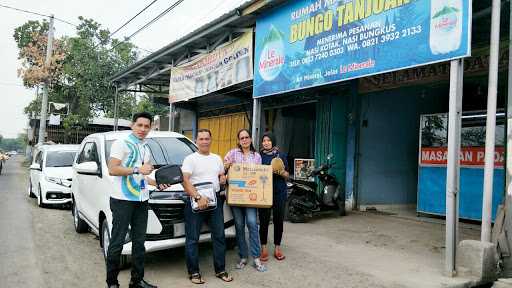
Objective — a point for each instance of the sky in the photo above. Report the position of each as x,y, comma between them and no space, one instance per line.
185,18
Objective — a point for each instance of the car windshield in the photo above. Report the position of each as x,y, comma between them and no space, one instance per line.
60,158
164,150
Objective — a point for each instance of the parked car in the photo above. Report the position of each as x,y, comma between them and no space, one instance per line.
50,174
92,183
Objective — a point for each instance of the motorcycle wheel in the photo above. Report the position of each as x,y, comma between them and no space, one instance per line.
292,213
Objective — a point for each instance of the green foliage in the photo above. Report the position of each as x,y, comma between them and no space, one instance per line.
13,144
26,33
146,104
90,60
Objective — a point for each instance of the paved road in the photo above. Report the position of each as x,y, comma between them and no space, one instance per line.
39,248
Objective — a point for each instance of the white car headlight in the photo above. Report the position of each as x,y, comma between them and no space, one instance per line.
54,180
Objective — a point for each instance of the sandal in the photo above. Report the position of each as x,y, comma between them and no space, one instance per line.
224,276
264,255
196,278
241,264
279,255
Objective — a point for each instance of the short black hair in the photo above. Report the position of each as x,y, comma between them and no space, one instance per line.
203,130
146,115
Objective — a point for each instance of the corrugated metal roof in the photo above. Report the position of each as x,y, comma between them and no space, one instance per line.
153,70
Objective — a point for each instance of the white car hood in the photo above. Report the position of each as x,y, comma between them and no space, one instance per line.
59,172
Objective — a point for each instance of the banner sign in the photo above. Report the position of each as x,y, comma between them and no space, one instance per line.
225,66
468,156
309,43
476,65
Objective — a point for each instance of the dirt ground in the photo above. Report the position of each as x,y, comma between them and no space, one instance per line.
41,249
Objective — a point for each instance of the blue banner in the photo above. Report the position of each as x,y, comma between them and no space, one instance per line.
310,43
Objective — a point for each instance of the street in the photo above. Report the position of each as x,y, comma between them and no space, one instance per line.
41,249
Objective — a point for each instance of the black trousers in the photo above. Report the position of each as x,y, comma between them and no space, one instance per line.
134,214
278,218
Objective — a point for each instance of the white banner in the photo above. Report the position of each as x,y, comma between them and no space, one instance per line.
225,66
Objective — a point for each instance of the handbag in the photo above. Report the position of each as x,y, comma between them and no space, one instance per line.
205,189
169,175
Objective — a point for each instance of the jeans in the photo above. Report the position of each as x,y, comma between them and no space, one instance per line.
193,225
277,210
243,216
126,213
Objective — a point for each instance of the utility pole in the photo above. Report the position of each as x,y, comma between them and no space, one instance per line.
490,129
453,166
44,103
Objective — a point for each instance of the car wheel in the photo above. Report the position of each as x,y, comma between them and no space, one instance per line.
80,225
105,242
30,190
40,199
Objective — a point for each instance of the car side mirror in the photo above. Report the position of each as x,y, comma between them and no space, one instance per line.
87,168
35,166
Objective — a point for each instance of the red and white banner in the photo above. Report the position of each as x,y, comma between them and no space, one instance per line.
469,156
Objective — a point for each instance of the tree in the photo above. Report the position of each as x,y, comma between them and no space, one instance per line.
147,104
79,71
32,41
12,144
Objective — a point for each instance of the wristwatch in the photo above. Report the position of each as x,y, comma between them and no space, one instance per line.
135,170
197,197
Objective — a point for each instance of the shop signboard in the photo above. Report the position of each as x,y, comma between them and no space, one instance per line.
310,43
227,65
432,164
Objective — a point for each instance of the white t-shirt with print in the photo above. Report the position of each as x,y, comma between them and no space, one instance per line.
132,152
203,168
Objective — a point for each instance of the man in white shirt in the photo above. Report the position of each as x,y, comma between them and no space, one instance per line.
130,162
204,167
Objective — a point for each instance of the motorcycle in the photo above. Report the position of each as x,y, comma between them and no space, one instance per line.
304,201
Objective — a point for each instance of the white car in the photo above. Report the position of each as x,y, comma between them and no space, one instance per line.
92,185
50,174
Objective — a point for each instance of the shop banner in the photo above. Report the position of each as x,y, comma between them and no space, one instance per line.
225,66
310,43
468,156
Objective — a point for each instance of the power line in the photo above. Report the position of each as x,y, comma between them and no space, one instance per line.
140,12
150,22
38,14
69,23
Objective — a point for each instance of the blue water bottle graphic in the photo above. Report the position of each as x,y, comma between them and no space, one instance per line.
142,184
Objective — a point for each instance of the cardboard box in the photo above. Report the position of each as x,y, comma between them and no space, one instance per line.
250,185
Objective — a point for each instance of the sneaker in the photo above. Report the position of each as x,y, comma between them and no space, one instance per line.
259,266
241,264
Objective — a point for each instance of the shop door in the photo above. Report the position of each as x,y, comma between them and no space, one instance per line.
224,131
